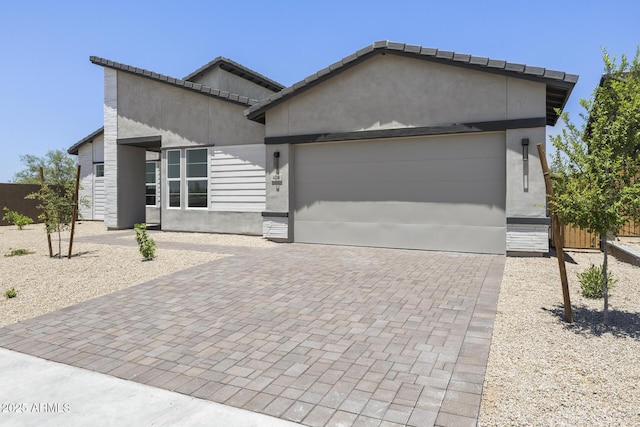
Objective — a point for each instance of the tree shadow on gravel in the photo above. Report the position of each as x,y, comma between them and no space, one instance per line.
588,322
84,254
567,257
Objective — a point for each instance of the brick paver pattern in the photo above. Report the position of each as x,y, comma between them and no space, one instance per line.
319,335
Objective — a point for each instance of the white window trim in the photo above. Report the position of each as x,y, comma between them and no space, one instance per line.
155,183
205,178
95,170
170,180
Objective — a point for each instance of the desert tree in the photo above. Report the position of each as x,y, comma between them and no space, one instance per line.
596,163
58,167
57,189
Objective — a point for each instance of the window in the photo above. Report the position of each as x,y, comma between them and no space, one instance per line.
197,178
99,170
151,183
173,177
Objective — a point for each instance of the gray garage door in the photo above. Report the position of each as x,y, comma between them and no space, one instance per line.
439,193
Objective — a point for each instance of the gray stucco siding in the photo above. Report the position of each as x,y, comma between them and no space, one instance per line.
131,186
526,192
218,78
180,117
390,91
138,107
212,222
394,92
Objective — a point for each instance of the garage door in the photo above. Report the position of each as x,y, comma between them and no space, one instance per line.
437,193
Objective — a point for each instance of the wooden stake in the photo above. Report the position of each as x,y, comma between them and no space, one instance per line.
46,217
556,230
75,212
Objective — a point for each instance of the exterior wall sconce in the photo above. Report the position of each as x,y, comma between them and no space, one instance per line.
276,179
525,149
525,165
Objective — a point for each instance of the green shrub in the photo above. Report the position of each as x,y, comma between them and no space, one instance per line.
13,217
146,244
17,252
11,293
592,282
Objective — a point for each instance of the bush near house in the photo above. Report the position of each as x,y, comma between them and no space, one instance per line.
17,252
13,217
592,282
146,243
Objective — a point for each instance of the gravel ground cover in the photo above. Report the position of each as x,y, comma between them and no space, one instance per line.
45,284
545,372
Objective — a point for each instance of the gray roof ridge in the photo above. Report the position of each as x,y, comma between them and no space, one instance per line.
74,148
195,87
239,70
550,77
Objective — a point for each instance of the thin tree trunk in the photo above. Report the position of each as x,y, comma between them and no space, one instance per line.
605,289
59,243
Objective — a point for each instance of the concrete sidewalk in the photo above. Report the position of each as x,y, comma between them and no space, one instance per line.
37,392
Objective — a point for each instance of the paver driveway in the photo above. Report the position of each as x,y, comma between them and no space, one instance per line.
321,335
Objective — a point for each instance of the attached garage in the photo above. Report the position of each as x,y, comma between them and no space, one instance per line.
403,146
438,193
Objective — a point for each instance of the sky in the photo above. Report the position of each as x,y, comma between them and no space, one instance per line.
51,95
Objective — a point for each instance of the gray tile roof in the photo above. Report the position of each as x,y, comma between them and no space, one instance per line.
75,147
239,70
559,84
183,84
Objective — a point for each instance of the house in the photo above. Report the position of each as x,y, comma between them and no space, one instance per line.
180,113
395,146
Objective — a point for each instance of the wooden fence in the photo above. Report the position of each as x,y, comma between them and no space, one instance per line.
576,238
630,229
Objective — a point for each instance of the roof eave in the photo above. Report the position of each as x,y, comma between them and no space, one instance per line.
75,147
549,77
239,70
179,83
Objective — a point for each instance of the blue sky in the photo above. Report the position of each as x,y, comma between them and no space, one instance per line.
51,95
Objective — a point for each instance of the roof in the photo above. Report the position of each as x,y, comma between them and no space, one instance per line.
75,147
559,84
183,84
238,70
